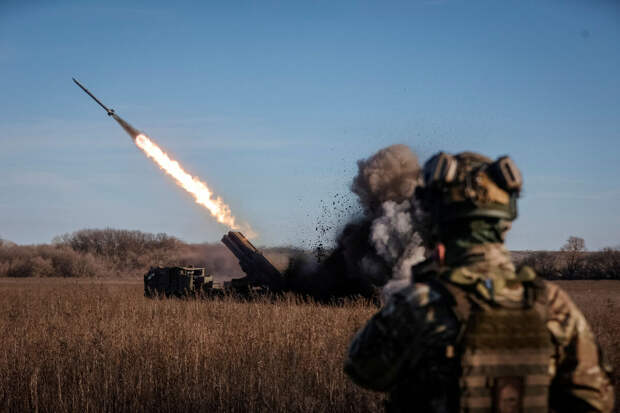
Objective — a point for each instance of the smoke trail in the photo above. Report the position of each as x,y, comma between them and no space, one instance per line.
198,189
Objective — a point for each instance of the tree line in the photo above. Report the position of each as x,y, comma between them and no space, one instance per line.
124,253
111,253
574,262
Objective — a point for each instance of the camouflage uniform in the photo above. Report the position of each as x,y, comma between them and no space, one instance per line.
412,348
402,349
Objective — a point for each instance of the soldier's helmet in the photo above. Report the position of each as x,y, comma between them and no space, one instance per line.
470,185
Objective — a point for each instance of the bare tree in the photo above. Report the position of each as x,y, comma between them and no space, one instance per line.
574,244
573,253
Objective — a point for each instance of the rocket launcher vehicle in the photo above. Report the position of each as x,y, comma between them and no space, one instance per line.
260,271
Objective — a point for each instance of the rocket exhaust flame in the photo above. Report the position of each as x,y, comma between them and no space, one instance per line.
198,189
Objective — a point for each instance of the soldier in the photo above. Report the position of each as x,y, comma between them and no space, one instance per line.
471,333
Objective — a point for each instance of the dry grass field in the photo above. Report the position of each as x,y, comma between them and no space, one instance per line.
80,346
600,302
87,345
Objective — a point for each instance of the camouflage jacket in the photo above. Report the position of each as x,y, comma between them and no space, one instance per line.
402,348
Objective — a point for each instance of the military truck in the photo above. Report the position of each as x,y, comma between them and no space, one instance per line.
262,275
176,282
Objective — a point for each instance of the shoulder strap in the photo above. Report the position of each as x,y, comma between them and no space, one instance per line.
535,296
535,286
457,297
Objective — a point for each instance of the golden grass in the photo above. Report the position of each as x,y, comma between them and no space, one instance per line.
101,346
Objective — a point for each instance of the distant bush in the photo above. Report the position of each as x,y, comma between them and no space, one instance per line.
571,265
543,262
603,264
47,261
112,253
117,245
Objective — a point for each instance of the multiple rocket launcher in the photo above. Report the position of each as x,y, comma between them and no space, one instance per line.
260,271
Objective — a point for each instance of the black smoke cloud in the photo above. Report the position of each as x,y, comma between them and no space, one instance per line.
378,248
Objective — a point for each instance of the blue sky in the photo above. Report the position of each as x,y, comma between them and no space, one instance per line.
272,103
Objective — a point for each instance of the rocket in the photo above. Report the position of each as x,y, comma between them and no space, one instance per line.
110,111
126,126
194,186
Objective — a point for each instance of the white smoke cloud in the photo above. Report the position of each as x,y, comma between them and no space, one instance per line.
395,239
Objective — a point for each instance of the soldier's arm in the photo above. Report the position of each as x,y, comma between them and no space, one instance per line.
581,383
390,340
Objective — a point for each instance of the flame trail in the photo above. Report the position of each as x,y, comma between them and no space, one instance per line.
198,189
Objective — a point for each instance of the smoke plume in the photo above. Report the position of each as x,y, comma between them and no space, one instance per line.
396,237
391,174
379,248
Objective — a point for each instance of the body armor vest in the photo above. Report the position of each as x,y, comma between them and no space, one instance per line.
505,353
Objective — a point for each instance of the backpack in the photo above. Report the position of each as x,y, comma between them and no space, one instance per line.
505,351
